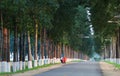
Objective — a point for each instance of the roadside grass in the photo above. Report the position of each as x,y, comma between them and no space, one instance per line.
117,66
76,61
25,70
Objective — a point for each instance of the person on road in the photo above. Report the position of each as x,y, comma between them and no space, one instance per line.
63,59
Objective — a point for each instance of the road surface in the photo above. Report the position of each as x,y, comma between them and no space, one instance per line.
75,69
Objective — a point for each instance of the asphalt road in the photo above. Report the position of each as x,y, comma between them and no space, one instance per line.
75,69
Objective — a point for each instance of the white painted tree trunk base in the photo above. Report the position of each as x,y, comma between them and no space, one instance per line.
35,63
42,62
118,61
23,65
45,61
20,63
39,62
8,67
48,61
0,67
18,66
14,66
29,64
52,61
4,66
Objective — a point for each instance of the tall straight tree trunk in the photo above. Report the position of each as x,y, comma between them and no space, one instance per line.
114,47
42,46
15,59
40,41
29,52
54,50
29,48
119,42
24,42
48,48
66,50
15,44
117,55
4,53
69,52
42,50
57,52
36,43
8,51
117,45
21,50
62,48
24,46
1,35
45,52
39,50
72,53
8,46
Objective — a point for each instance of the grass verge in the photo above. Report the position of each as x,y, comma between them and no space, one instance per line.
76,61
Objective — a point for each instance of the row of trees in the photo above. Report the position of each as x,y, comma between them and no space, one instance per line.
42,28
107,34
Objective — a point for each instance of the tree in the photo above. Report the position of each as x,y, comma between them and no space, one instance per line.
103,11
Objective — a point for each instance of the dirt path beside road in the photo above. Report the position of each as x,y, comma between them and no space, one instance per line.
109,69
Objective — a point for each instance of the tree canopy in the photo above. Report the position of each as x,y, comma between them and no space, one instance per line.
65,21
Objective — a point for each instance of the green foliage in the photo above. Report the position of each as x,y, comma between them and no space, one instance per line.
64,20
43,11
103,11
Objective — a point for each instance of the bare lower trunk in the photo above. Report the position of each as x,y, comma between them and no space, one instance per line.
117,45
21,48
54,50
42,50
45,52
62,48
57,52
41,43
1,35
8,46
8,51
15,44
4,44
4,53
29,48
36,43
15,59
48,48
24,46
119,42
29,52
114,47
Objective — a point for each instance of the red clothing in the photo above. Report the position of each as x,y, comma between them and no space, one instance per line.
64,59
